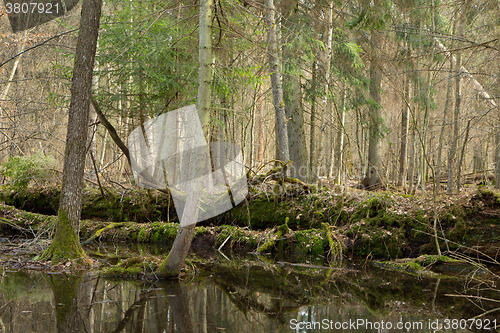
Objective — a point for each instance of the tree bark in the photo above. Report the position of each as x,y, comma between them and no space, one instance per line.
373,178
65,243
456,117
339,145
497,158
279,105
443,126
497,139
313,140
295,128
404,133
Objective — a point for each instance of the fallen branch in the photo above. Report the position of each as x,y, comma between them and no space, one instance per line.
100,231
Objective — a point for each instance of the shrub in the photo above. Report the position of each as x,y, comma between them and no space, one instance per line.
21,170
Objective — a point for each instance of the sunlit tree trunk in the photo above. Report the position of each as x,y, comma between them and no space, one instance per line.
65,241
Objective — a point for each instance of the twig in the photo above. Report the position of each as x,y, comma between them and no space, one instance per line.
224,243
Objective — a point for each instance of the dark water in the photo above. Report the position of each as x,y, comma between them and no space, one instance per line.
249,294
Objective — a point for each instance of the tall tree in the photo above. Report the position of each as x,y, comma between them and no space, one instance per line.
373,176
172,265
295,47
65,242
279,105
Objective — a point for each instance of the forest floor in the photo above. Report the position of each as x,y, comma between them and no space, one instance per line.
306,220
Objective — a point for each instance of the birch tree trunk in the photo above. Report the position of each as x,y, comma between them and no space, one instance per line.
65,242
171,266
279,105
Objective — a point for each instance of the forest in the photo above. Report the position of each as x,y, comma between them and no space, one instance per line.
363,131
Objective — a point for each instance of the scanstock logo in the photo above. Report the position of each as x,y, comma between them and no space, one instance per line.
170,151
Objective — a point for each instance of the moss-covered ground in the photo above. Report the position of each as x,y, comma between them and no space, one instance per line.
319,221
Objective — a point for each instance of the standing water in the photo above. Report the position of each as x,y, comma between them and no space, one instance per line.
251,295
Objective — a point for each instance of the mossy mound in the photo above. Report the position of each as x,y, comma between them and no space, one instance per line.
137,205
367,224
135,268
425,264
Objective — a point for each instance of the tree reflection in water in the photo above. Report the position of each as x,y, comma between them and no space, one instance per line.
236,297
65,290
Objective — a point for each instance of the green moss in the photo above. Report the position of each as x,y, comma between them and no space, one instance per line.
489,196
239,237
420,265
65,243
335,244
133,267
309,241
157,232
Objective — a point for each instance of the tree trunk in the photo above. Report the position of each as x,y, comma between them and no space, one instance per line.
313,140
497,139
443,126
404,133
339,145
260,126
171,266
65,242
295,127
462,155
497,158
373,178
279,107
327,60
456,118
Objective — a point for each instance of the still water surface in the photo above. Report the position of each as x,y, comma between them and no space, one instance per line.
247,294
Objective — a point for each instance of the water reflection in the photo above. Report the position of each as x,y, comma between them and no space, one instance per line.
240,296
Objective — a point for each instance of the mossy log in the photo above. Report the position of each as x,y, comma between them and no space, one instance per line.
283,230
